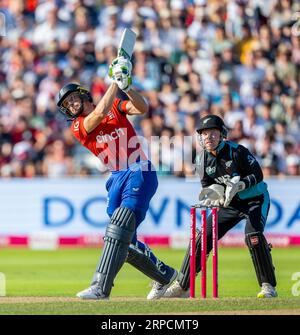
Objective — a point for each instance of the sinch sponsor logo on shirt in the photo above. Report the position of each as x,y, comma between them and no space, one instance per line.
104,138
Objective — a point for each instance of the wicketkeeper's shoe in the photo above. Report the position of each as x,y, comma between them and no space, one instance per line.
158,290
267,291
92,293
176,291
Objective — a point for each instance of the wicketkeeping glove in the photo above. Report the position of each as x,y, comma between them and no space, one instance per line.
212,195
120,72
233,186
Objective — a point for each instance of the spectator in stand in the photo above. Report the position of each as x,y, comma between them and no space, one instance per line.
293,165
237,59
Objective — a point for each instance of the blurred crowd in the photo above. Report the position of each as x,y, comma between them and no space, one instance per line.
239,59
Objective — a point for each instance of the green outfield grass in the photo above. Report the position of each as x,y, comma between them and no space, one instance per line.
60,274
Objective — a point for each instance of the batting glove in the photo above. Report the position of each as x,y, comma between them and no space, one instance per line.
233,186
120,72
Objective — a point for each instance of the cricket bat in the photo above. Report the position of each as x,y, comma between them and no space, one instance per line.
127,42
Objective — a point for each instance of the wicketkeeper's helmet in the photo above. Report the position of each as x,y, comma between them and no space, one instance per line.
212,122
65,91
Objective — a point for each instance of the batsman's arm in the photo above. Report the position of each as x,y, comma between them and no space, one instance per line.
103,107
137,104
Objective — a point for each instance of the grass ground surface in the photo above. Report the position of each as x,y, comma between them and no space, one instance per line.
45,282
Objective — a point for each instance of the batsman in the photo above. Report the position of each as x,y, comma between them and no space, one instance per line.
232,179
105,130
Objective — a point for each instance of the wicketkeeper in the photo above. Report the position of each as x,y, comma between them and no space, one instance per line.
232,178
105,130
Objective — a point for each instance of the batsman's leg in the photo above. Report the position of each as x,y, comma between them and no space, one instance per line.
180,288
117,238
143,259
137,194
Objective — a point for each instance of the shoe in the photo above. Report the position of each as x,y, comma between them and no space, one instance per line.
92,293
267,291
176,291
158,290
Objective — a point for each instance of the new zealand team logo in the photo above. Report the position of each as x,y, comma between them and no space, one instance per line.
228,164
210,170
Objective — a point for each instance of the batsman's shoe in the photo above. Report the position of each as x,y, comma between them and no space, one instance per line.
267,291
158,290
92,293
176,291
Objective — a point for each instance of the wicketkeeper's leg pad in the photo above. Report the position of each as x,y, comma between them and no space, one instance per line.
260,252
118,235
